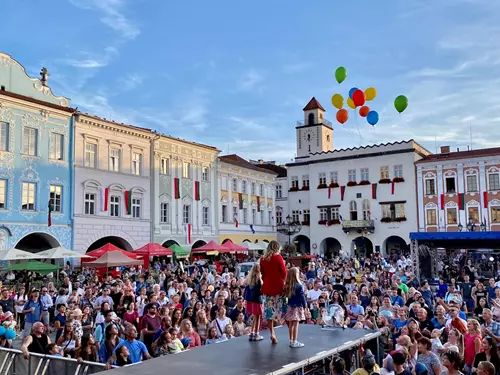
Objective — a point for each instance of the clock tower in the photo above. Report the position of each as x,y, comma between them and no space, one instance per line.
315,134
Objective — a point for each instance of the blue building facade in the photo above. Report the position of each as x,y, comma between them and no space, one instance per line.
35,161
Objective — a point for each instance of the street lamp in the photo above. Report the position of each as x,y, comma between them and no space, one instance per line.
483,226
471,226
460,226
289,227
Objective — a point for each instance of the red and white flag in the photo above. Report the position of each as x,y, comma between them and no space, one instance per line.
104,198
329,194
188,234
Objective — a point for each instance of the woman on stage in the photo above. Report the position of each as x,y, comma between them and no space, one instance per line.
273,270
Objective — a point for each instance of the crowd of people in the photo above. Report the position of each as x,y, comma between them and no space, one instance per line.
131,316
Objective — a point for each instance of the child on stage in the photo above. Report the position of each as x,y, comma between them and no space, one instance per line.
253,298
294,291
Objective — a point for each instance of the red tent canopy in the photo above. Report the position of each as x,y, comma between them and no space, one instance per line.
233,248
211,246
97,253
153,249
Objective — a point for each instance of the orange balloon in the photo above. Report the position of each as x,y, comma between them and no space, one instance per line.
363,111
342,115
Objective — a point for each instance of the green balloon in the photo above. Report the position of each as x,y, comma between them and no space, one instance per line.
340,74
401,103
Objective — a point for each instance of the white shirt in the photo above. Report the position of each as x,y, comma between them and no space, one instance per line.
219,325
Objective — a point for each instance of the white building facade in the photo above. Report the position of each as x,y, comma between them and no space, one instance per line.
184,177
112,184
351,201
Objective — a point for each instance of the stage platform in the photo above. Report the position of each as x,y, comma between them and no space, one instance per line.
240,356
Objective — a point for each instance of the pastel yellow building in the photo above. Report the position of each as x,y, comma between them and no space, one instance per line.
246,196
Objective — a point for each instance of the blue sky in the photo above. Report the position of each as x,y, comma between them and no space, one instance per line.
237,74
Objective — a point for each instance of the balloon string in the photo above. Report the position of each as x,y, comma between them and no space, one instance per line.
357,127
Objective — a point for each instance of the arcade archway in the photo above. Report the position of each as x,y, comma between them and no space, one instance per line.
330,247
395,245
362,247
113,240
36,242
302,244
198,244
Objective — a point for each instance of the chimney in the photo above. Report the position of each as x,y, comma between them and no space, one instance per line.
445,149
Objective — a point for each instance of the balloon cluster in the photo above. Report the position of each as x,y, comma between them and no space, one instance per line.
358,98
8,333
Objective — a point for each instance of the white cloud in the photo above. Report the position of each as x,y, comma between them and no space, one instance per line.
89,60
132,81
251,81
111,15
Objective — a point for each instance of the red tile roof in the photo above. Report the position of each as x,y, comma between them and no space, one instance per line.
484,152
313,104
281,171
240,162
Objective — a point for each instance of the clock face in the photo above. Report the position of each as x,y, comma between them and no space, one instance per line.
308,135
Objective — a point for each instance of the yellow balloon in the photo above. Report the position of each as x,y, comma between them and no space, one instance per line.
370,93
350,103
338,101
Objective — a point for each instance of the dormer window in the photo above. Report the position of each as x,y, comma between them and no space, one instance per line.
311,119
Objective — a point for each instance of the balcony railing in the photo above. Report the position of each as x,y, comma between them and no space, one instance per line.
324,122
358,226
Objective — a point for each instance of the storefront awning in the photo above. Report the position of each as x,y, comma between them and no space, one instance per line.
453,236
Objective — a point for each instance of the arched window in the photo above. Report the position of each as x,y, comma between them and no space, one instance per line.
366,209
310,119
353,209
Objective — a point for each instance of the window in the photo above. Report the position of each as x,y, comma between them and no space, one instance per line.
473,213
262,217
235,212
334,213
322,178
430,186
254,216
136,163
472,183
451,215
384,172
245,215
3,193
495,214
351,175
279,217
186,170
365,176
305,180
278,191
261,190
55,198
136,207
90,155
307,216
450,185
89,203
244,187
323,214
253,188
114,206
393,211
206,216
4,136
186,214
398,171
494,181
366,209
28,198
400,210
334,177
431,217
235,184
114,160
295,216
164,213
224,214
205,174
295,182
56,146
353,210
270,217
30,141
164,166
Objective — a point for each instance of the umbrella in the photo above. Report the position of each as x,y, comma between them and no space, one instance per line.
60,253
110,248
16,254
114,259
211,246
232,247
153,249
252,246
34,265
179,251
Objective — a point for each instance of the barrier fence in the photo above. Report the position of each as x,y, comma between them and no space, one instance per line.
12,362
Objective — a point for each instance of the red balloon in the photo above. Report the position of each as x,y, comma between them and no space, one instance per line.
363,111
359,98
342,115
